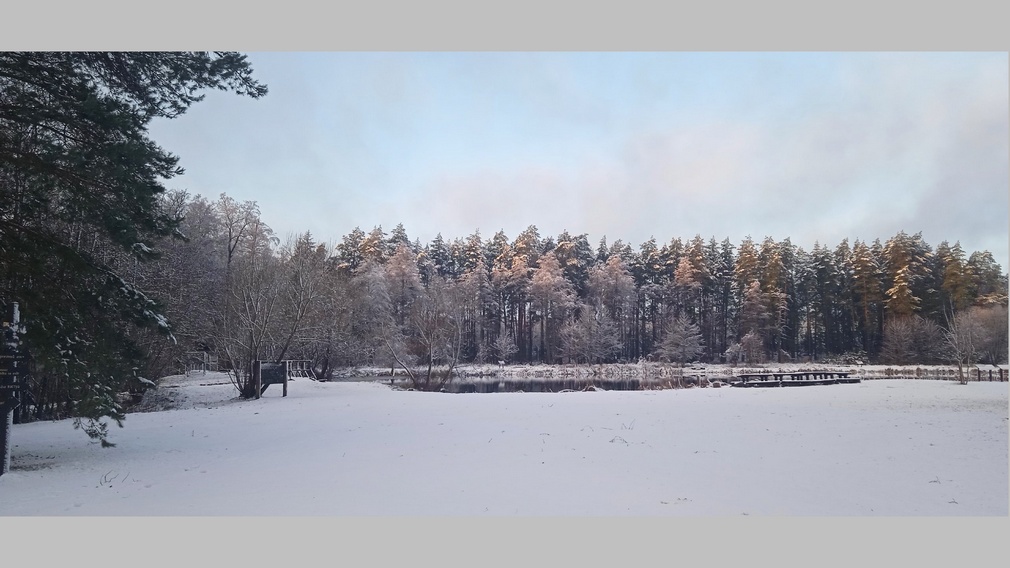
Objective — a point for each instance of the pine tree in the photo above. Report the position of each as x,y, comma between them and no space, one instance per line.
845,312
956,279
80,190
722,266
905,273
478,309
349,257
805,294
440,255
528,245
747,267
396,236
682,343
670,255
867,289
824,292
988,283
494,248
900,301
374,245
554,296
471,253
611,290
602,252
576,257
773,279
404,282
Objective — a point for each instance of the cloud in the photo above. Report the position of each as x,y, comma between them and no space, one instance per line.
890,149
811,147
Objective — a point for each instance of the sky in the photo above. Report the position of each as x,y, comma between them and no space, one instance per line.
904,450
812,146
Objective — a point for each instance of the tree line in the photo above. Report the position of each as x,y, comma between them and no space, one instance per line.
379,298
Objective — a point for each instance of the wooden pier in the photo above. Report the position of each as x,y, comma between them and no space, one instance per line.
793,379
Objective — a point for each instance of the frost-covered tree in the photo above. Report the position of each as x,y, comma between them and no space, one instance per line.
964,337
900,300
747,267
434,336
988,282
403,280
494,248
868,294
911,339
303,285
956,280
995,331
438,253
349,257
396,237
612,288
372,323
333,342
575,257
752,348
505,347
905,269
477,300
721,266
251,313
375,245
683,342
687,290
554,297
470,253
591,337
754,316
509,286
236,219
528,245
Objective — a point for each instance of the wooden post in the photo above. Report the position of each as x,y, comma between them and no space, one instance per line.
287,372
257,378
9,397
6,425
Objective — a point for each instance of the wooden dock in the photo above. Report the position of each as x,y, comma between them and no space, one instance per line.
793,379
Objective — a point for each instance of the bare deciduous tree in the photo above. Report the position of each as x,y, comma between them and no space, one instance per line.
911,338
434,335
994,322
963,336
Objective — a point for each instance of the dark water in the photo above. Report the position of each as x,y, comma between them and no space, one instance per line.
551,384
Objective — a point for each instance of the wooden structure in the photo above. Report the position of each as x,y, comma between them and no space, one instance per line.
199,361
792,379
13,366
300,368
266,374
991,372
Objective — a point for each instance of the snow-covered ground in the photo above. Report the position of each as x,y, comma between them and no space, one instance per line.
877,448
365,475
